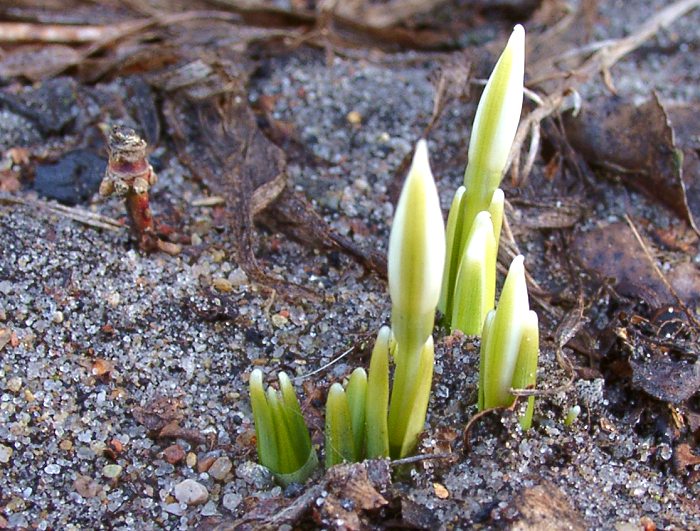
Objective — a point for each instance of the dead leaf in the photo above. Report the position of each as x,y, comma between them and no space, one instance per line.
666,379
612,251
354,489
636,142
683,457
218,138
37,62
545,507
684,119
386,14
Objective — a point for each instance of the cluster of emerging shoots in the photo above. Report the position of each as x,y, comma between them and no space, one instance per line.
429,268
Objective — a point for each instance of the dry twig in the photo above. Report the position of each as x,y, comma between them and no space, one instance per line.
605,56
77,214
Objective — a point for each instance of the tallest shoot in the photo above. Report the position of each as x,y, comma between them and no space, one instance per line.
495,125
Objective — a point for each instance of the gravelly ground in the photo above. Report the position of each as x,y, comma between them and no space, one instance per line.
75,297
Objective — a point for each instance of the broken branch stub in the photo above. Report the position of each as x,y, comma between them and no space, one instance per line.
130,175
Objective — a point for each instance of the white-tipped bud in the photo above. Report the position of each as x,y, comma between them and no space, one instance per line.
416,251
498,113
501,342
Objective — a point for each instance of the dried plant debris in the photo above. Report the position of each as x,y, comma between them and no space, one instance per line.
162,417
613,252
219,140
684,120
663,355
637,143
353,491
542,508
346,498
36,62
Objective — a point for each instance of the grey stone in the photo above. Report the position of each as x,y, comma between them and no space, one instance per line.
191,492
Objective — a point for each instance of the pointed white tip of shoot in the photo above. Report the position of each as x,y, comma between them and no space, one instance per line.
498,112
336,389
476,246
417,240
420,163
517,38
518,285
256,378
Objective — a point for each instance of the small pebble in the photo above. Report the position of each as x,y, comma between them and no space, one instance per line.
279,320
220,468
209,509
86,486
238,277
204,463
222,284
52,469
354,117
191,459
191,493
113,299
57,317
5,453
111,471
174,454
232,500
175,508
14,384
66,445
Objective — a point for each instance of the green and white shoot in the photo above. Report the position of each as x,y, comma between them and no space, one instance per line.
283,441
475,288
356,417
377,403
509,346
495,125
416,261
345,420
571,415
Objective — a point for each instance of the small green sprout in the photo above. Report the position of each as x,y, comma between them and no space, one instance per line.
416,261
368,420
283,441
572,415
345,420
495,124
509,346
339,436
377,403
